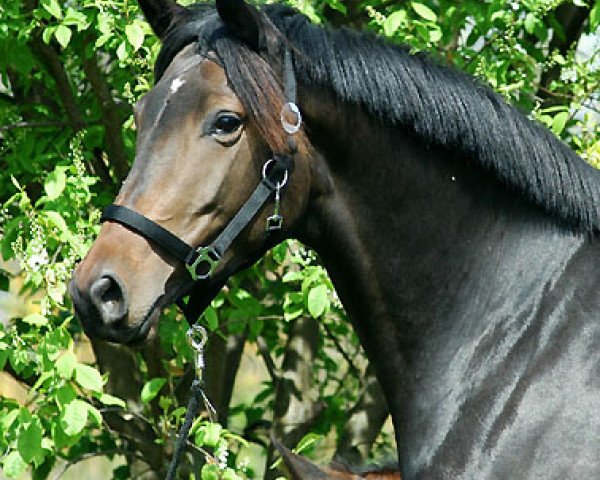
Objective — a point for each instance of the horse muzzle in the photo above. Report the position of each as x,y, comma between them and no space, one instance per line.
103,309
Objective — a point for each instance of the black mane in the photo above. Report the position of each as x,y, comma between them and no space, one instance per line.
441,104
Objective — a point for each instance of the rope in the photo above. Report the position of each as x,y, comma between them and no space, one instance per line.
192,410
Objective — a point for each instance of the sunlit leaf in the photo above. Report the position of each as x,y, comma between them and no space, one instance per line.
13,465
393,22
63,35
88,377
151,389
135,34
74,417
65,365
424,11
318,300
52,7
36,319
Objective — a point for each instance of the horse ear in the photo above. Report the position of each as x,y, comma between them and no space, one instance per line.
298,467
243,21
160,14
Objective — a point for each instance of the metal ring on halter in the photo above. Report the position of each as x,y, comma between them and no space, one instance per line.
264,174
290,108
197,337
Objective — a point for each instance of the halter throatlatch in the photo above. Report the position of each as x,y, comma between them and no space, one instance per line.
201,262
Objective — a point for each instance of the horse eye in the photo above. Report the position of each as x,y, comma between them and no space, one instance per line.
227,124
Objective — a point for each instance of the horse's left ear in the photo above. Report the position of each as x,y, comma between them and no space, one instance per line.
243,21
160,14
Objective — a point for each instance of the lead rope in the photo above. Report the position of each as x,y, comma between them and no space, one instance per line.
197,338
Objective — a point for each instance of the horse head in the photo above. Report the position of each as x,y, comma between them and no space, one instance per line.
207,133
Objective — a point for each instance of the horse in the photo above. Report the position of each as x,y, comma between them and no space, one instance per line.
300,468
459,234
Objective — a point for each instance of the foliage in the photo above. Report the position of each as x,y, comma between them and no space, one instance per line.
69,74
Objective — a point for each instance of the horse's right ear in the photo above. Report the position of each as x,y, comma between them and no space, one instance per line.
160,14
243,21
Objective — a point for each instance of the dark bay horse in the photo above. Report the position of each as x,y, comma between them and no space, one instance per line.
460,235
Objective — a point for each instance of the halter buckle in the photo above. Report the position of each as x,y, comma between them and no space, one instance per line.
205,263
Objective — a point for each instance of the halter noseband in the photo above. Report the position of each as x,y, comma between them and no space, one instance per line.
202,261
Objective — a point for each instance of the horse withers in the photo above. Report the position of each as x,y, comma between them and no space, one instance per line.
459,234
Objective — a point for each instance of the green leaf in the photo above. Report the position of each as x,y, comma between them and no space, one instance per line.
76,19
56,180
63,35
122,51
48,33
337,5
65,234
435,35
212,319
293,276
293,306
152,388
13,465
36,319
104,23
30,444
74,417
595,17
66,364
94,414
210,471
318,300
65,394
88,377
135,34
256,326
52,7
9,419
306,441
560,122
393,22
212,433
424,11
107,399
230,474
530,22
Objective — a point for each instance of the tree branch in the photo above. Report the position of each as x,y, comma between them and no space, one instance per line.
364,421
111,116
266,356
42,124
294,412
49,58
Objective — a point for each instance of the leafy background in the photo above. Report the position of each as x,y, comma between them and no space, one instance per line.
69,74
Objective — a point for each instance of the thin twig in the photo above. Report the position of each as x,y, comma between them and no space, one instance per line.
266,356
339,347
42,124
88,455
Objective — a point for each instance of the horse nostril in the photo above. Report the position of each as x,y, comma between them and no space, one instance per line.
109,298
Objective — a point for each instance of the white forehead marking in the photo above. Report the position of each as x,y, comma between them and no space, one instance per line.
176,84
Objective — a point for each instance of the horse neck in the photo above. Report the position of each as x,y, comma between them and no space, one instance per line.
428,255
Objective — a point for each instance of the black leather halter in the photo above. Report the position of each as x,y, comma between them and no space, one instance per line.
202,261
